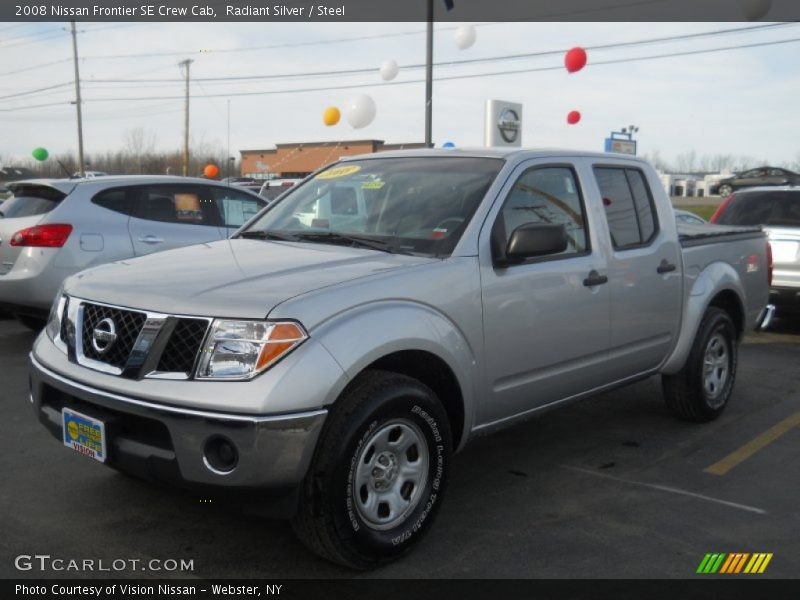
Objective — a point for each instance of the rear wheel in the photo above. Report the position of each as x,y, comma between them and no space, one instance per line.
379,473
725,190
700,391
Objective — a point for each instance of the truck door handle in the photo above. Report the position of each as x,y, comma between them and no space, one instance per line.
151,239
594,279
665,267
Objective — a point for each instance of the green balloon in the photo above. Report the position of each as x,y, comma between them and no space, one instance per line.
40,154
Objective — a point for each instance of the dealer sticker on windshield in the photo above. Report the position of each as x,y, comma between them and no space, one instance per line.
84,434
338,172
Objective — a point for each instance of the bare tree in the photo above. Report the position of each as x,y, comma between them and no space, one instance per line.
686,162
138,145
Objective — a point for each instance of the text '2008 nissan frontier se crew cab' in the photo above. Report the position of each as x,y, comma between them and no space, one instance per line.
380,315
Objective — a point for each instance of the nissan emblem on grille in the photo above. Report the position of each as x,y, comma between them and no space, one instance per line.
104,336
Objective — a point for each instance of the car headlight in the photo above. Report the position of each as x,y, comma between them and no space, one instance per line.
243,349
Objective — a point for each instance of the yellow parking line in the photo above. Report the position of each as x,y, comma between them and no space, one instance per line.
757,443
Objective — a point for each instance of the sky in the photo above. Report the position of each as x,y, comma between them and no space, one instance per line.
741,102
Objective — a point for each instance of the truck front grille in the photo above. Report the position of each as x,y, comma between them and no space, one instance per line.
127,325
131,343
183,346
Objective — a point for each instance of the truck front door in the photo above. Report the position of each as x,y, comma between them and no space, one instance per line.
546,320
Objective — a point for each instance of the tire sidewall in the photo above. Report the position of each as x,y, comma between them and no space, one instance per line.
718,323
425,412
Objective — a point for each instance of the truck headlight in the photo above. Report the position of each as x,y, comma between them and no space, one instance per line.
243,349
53,327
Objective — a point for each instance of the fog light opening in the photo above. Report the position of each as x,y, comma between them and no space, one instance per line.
220,455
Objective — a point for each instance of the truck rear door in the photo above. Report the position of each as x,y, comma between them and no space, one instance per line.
644,269
546,320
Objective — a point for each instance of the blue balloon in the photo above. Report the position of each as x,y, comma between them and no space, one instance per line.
448,145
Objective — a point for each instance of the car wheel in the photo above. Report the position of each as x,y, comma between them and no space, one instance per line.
700,391
725,190
379,472
32,323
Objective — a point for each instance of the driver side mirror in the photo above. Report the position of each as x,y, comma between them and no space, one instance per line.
531,240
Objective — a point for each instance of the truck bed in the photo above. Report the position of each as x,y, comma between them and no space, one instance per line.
699,235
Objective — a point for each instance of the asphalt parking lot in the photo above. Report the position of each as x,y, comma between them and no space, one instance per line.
609,487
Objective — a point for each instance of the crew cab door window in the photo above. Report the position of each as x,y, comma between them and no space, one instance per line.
547,195
629,206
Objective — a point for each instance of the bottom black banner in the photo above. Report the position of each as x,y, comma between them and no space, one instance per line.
411,589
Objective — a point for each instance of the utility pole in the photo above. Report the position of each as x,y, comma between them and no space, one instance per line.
81,165
429,78
185,66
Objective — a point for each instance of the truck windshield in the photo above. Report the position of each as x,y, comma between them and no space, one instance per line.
408,205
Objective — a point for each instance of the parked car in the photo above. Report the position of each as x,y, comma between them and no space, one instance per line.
755,177
340,363
778,211
688,218
272,188
50,229
89,174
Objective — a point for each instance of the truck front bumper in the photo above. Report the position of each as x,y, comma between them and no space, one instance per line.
173,444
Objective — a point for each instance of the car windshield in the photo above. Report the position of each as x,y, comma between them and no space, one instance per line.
407,205
30,200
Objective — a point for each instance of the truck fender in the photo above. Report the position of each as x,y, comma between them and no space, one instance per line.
395,326
714,279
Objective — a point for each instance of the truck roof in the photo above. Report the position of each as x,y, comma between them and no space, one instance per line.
502,153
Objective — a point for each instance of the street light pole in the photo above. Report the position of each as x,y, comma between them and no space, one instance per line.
81,165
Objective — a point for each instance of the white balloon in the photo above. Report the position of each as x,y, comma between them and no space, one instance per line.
753,10
359,111
465,36
389,70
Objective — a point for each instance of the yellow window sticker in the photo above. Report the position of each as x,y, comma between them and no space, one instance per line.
372,185
338,172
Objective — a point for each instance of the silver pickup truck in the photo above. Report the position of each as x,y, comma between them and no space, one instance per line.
354,334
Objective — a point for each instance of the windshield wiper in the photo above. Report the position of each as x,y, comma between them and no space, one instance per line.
347,238
268,235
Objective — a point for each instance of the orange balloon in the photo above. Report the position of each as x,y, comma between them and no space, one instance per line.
211,171
331,116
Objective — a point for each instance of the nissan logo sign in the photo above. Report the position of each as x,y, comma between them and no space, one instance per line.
104,336
508,125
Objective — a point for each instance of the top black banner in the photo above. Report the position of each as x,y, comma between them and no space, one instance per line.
400,10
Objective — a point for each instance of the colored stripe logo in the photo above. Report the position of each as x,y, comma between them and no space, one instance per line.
734,563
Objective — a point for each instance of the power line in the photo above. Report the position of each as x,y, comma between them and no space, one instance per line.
467,61
455,77
34,67
266,47
28,92
407,82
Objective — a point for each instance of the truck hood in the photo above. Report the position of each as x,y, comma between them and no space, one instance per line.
235,278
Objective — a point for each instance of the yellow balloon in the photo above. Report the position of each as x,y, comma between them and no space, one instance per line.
331,116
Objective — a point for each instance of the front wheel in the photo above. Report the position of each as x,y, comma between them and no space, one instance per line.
379,473
700,391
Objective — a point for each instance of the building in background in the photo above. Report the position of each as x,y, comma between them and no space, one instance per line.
298,160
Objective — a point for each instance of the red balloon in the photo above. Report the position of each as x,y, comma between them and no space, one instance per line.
575,59
211,171
574,117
